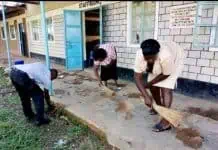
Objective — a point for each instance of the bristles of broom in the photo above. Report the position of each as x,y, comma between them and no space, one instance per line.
108,91
174,117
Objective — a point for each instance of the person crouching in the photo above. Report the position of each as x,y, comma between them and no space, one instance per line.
33,81
105,56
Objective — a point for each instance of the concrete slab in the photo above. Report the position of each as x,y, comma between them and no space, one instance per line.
86,102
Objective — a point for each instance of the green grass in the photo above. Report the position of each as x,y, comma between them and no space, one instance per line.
18,134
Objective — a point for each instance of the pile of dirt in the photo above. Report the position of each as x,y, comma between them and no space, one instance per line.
124,107
210,113
133,95
190,137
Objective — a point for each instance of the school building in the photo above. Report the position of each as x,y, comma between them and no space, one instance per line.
75,27
16,29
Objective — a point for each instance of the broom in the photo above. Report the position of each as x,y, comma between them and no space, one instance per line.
177,119
189,124
108,91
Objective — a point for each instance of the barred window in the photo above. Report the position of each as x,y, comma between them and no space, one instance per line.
141,21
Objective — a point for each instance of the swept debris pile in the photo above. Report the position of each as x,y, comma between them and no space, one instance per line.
210,113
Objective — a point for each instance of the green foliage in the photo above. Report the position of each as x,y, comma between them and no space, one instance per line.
18,134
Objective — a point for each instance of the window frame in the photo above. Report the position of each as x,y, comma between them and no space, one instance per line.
52,26
11,32
31,29
211,46
2,33
213,31
129,23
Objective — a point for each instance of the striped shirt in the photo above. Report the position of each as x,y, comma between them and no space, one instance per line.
111,54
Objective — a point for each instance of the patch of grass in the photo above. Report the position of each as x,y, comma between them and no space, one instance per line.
17,133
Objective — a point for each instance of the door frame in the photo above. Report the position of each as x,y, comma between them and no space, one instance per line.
19,40
65,41
84,30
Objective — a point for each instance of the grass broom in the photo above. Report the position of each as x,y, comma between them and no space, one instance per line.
108,91
176,118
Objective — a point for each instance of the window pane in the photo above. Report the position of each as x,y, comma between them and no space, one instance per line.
12,32
2,33
142,21
35,30
50,29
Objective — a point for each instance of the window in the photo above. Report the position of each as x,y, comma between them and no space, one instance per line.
49,22
141,21
35,30
214,32
206,25
12,31
2,33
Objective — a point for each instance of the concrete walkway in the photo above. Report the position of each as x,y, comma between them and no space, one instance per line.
84,99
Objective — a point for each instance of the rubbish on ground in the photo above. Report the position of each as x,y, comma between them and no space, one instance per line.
58,108
120,85
61,77
8,90
59,92
133,95
190,137
60,143
210,113
124,106
64,118
74,81
83,92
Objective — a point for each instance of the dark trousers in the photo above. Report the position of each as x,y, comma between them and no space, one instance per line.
27,89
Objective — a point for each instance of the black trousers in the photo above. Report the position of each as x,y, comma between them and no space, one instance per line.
27,89
109,72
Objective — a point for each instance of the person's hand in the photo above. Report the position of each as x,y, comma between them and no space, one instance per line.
147,86
147,102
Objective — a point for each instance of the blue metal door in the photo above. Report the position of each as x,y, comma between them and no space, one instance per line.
73,40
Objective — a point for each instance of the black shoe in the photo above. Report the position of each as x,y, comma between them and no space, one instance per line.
31,118
42,122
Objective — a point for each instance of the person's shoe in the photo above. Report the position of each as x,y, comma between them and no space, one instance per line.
42,122
31,118
160,127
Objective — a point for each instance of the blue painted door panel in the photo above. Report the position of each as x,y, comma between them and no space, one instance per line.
73,40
